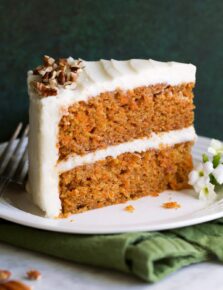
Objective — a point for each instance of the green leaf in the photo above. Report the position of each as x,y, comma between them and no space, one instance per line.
216,160
218,189
205,158
213,180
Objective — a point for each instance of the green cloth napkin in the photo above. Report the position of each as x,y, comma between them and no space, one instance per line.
149,256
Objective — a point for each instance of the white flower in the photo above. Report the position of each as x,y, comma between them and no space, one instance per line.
200,175
197,180
201,183
216,147
207,193
218,173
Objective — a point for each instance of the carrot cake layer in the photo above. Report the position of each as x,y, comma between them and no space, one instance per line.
120,116
103,132
129,176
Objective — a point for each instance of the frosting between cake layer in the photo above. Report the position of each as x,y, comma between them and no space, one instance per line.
156,141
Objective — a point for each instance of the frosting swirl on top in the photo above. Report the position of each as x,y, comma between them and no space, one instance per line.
55,76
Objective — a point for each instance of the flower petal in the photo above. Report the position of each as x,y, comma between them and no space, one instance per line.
218,174
212,151
208,167
215,147
201,183
193,177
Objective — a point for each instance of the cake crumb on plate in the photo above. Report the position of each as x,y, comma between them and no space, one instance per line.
129,208
171,204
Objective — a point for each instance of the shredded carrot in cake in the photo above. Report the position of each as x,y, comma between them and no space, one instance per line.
129,208
171,204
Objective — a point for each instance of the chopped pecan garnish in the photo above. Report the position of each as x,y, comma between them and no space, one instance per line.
73,77
62,62
54,73
61,78
45,90
4,275
33,275
48,61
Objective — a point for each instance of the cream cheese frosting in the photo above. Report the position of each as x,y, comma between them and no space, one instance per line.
96,77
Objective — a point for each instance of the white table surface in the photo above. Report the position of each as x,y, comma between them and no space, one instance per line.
59,274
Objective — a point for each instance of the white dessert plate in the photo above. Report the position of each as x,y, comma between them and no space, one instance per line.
149,215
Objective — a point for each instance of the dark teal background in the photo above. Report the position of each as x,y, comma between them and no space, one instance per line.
181,30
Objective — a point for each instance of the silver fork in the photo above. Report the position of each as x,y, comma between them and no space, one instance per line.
13,160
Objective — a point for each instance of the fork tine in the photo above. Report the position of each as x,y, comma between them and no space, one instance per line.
3,183
22,169
7,151
14,160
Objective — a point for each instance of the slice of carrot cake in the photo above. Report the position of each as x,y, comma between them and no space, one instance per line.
104,132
